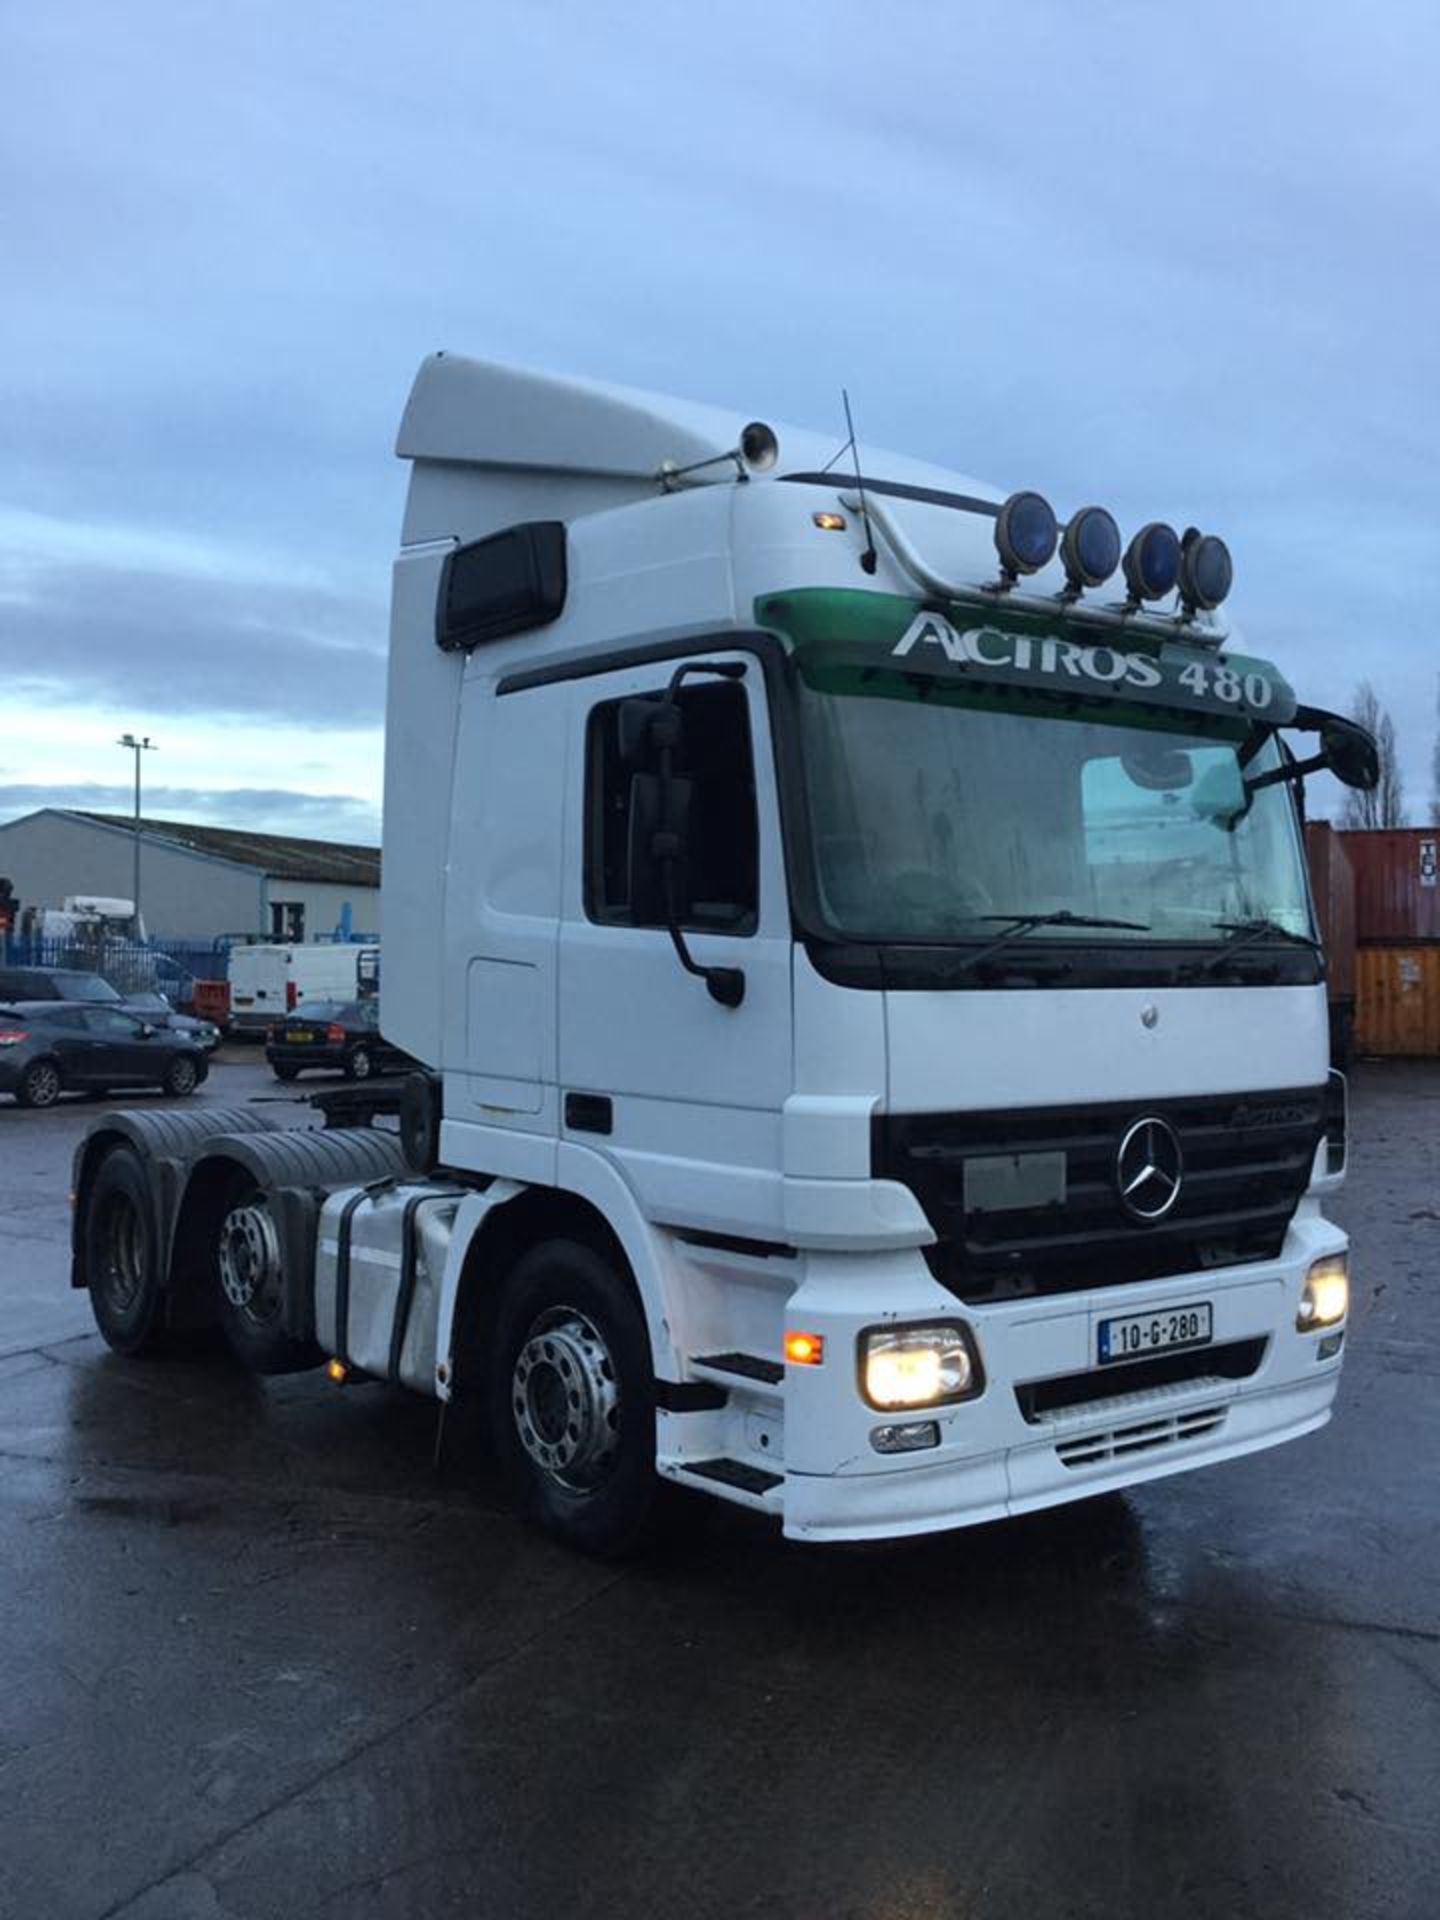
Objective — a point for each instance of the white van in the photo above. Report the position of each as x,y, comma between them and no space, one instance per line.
267,982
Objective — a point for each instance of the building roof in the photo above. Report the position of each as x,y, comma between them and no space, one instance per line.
279,856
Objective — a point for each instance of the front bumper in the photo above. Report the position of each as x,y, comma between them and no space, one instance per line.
996,1454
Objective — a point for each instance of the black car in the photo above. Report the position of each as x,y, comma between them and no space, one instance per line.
20,984
50,1047
343,1034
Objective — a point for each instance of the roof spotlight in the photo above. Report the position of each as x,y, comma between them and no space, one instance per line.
1025,534
1090,548
1205,570
1152,561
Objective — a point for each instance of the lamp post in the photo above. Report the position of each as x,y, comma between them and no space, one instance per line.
137,747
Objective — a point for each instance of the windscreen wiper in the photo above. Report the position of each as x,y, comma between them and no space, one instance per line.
1248,933
1022,923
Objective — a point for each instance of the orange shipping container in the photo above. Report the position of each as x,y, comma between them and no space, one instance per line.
1398,1000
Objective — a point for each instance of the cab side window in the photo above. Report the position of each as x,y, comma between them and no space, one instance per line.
718,880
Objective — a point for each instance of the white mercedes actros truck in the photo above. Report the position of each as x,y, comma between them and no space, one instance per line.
874,1028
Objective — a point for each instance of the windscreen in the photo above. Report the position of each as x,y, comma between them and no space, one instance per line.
937,815
86,986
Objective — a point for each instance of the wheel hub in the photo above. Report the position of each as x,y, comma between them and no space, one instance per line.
122,1243
565,1400
249,1259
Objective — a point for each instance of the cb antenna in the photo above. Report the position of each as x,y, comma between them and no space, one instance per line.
869,557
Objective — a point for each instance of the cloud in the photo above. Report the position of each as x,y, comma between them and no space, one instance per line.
1092,250
341,817
164,643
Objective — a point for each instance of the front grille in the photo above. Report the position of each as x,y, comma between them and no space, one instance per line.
1247,1160
1141,1436
1233,1360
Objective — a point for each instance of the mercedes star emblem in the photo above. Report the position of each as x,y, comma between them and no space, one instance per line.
1148,1169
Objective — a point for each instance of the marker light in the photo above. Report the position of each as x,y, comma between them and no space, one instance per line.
1090,548
805,1349
917,1366
1205,571
1025,533
1152,561
829,522
337,1371
1326,1298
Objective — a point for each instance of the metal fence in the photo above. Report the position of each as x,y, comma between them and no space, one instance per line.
172,966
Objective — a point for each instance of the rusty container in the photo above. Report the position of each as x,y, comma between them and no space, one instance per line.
1397,885
1397,999
1332,886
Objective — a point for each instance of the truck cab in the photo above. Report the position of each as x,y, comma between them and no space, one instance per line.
875,1030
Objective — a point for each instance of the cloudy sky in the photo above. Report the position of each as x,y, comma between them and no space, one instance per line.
1179,260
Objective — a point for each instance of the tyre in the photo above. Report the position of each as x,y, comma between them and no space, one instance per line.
570,1398
248,1259
283,1072
39,1084
122,1256
181,1077
359,1064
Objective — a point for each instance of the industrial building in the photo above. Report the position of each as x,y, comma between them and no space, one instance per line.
196,882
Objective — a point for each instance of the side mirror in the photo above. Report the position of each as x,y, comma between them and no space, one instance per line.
1350,753
659,832
646,728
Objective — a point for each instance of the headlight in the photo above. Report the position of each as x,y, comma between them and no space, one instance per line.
1326,1298
926,1366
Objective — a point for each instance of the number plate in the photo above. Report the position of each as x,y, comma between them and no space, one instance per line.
299,1036
1140,1334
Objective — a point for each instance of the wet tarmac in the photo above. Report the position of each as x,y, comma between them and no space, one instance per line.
256,1659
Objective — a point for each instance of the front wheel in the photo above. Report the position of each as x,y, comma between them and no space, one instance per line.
39,1085
571,1398
122,1257
181,1077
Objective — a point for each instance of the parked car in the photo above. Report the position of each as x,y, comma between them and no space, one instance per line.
54,983
50,1047
154,1006
73,983
343,1034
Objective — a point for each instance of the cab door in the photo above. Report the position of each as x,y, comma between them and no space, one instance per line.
681,1091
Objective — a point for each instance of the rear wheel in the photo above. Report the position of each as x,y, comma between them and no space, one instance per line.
283,1072
571,1398
249,1261
181,1077
39,1084
122,1259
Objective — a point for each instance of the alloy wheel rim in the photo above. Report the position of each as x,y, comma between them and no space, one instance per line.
248,1256
565,1400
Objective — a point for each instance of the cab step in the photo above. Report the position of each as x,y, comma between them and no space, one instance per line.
769,1375
734,1473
